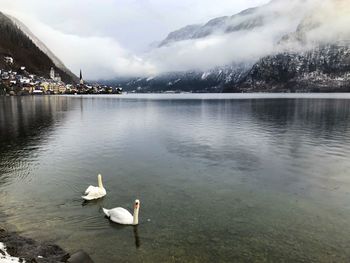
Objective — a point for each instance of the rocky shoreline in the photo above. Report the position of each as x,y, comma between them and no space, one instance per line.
29,250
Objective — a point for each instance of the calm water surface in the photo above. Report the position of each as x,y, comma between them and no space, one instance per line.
221,178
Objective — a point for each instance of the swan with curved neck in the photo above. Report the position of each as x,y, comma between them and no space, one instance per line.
122,216
93,192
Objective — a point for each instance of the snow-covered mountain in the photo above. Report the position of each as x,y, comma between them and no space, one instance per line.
315,57
275,12
322,69
310,51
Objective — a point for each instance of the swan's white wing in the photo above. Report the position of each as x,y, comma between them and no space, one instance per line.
121,216
95,193
89,189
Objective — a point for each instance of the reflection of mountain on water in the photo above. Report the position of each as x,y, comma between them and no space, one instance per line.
301,120
315,118
216,127
307,141
25,124
294,145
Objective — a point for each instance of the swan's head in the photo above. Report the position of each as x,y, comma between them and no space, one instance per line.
137,204
136,212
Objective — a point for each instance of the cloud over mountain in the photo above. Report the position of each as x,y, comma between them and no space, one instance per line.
253,34
242,38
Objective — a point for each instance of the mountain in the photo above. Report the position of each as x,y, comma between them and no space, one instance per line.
18,42
323,69
57,62
247,20
225,24
310,51
313,58
211,81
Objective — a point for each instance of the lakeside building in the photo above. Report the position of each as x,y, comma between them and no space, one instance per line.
18,81
54,76
8,60
21,82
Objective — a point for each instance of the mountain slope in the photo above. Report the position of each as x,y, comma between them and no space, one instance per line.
323,69
225,24
316,57
275,12
311,51
58,63
15,43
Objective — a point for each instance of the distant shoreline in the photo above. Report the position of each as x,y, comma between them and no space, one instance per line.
177,93
250,95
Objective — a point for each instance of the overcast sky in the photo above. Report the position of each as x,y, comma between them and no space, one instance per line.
86,33
133,23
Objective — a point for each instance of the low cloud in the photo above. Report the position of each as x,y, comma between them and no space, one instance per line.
98,57
278,19
331,21
103,57
314,22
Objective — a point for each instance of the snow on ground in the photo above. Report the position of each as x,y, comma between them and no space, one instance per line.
5,257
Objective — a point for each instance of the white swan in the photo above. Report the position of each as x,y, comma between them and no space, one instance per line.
122,216
93,192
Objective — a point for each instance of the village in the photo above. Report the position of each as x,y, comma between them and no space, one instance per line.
18,82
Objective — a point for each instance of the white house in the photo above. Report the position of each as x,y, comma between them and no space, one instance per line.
8,60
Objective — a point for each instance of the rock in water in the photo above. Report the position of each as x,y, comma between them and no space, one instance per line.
80,257
32,251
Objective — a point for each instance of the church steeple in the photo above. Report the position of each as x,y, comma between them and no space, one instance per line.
81,78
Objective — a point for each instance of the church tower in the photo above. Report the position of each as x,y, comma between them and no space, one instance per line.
81,78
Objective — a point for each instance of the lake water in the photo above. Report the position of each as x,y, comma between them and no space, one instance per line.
221,178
